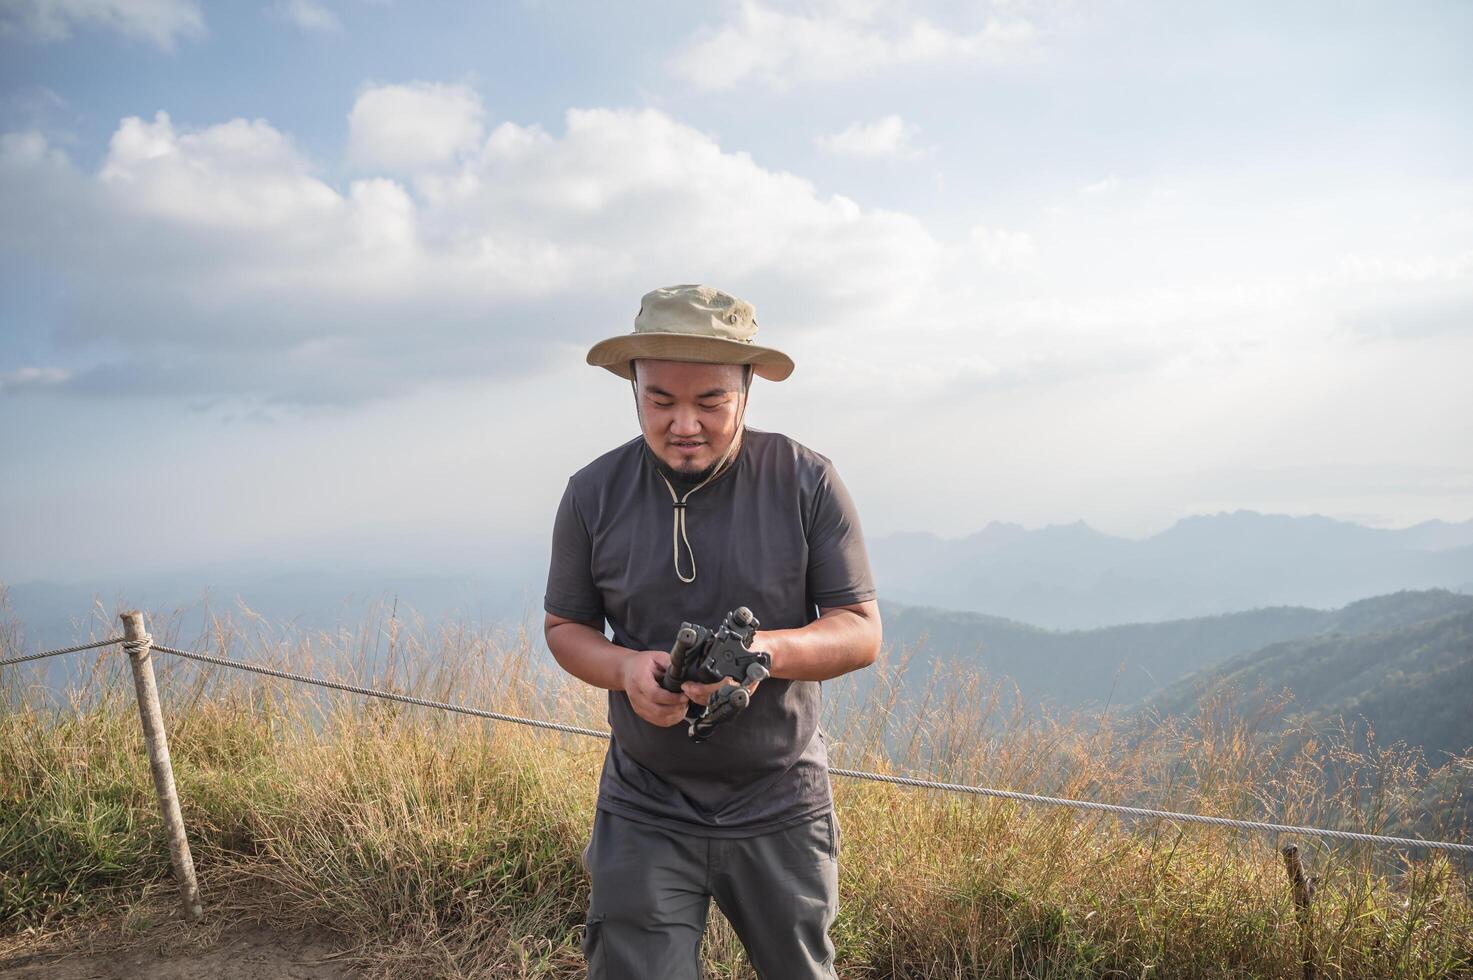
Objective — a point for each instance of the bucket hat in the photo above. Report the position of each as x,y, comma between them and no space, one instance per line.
691,323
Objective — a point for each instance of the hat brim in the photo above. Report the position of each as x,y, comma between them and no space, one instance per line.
615,353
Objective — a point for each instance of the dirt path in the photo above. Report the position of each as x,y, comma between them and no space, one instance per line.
247,953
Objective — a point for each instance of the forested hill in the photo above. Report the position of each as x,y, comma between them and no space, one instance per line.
1127,664
1411,683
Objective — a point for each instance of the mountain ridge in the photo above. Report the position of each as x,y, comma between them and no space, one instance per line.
1410,683
1073,576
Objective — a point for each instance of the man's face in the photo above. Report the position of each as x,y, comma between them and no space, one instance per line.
688,411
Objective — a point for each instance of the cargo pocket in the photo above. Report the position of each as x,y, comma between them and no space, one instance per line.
588,848
593,944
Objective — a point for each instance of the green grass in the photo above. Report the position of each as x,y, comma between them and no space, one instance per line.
440,845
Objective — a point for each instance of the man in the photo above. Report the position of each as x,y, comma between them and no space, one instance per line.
695,517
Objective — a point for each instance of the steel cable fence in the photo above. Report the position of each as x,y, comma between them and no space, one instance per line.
907,781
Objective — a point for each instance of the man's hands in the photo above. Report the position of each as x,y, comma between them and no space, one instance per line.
582,650
842,639
641,675
701,693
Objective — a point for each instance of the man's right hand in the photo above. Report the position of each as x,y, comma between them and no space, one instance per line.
641,673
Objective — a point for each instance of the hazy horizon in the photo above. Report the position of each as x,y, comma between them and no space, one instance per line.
422,553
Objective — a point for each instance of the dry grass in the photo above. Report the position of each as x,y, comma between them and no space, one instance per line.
438,845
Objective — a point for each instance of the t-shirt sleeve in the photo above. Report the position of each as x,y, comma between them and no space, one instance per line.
838,565
571,592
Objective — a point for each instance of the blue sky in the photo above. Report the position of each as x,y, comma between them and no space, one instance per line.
291,276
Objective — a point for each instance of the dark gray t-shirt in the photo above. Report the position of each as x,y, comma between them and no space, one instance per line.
775,531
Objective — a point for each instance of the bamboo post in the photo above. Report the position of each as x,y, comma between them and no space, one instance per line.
1303,889
136,645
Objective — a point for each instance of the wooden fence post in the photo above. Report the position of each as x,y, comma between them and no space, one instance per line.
136,645
1303,894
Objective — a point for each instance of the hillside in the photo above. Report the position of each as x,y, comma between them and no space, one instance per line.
423,844
1125,664
1412,683
1074,577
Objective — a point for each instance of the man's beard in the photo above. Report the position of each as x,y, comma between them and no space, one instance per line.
684,479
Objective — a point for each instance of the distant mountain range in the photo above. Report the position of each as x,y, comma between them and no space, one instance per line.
1124,665
1057,577
1074,577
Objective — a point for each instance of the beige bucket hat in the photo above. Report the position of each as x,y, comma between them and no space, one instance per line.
692,323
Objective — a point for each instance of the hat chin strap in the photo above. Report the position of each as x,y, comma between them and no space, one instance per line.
678,503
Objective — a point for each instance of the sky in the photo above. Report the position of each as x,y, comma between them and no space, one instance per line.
316,277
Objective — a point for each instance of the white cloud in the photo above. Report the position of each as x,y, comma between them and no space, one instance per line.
307,15
21,151
1410,296
402,128
888,136
216,262
159,22
32,377
765,43
220,262
235,176
1106,185
1003,249
1354,269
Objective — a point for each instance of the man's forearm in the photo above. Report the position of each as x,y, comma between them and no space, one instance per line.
588,655
842,639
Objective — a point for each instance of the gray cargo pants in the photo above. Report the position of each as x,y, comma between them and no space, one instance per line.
652,888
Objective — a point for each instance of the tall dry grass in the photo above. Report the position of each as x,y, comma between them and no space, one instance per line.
440,845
